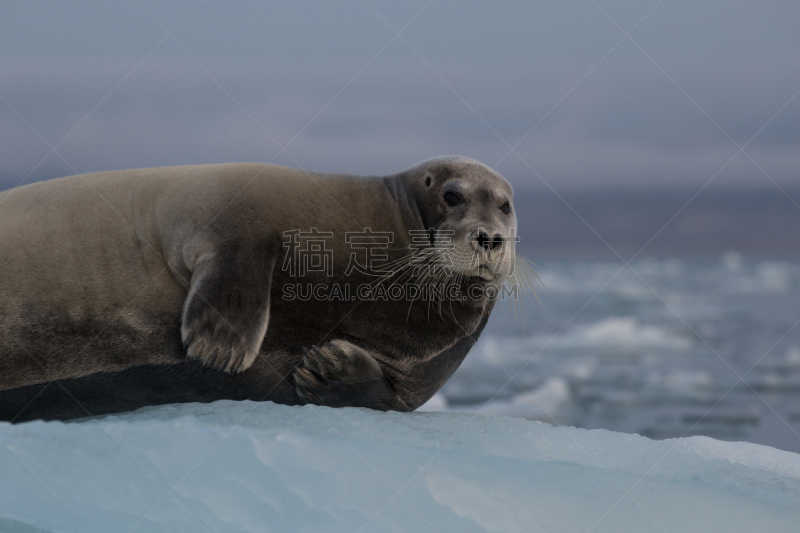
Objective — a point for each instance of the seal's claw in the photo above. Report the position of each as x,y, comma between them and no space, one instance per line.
335,374
221,349
307,396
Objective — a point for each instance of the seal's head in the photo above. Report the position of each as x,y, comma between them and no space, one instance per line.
470,207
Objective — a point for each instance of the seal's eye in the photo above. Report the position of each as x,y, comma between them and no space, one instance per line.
505,208
452,198
428,181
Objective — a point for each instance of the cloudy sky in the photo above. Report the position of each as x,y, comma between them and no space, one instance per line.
550,93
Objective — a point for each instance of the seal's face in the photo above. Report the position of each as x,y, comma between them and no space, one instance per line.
471,209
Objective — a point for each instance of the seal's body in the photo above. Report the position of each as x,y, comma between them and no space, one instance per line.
142,287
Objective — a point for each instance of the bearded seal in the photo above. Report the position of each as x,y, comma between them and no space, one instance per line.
241,281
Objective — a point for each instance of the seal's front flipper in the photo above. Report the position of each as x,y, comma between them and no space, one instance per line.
227,310
340,374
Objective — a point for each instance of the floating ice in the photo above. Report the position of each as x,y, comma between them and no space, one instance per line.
681,383
242,466
549,400
733,261
622,333
775,277
436,404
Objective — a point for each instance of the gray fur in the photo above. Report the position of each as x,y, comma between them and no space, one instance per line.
151,286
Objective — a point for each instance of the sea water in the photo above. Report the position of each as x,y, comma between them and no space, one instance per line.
662,348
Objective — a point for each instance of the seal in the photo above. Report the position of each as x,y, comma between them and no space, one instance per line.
246,281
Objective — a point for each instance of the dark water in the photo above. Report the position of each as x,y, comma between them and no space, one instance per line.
667,348
667,223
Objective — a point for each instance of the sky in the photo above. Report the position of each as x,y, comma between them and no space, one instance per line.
564,95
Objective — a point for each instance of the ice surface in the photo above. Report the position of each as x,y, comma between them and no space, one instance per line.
242,466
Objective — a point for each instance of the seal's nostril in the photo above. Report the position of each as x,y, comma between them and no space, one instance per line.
483,240
497,241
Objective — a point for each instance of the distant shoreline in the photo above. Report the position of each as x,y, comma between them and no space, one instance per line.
762,223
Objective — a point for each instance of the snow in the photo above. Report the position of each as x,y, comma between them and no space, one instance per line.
244,466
